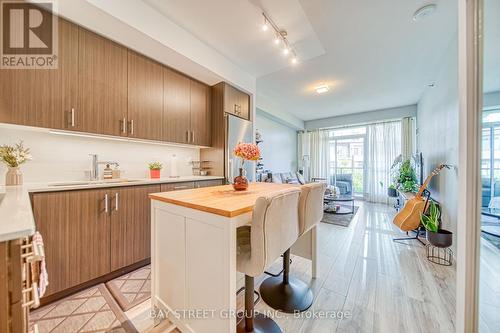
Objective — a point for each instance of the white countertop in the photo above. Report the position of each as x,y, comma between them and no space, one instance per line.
16,214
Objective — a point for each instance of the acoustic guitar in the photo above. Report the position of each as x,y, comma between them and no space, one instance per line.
409,217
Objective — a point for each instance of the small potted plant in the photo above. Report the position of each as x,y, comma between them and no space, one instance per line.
154,169
247,152
391,191
435,235
13,157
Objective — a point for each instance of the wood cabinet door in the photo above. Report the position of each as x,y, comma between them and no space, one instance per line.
89,235
102,86
145,97
176,107
244,105
230,99
43,97
200,114
236,102
208,183
75,228
177,186
130,224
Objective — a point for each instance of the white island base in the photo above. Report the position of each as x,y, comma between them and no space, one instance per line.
193,266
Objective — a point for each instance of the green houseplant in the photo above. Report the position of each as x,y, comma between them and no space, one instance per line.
155,169
432,222
406,177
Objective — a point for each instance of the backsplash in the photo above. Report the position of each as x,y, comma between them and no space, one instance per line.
63,158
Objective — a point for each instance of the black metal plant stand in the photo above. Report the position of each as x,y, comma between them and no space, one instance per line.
439,255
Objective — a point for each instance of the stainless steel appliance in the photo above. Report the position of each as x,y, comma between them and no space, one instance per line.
238,131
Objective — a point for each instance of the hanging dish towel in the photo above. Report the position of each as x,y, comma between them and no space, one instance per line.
37,242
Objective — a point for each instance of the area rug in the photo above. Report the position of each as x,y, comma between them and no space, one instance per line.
342,220
132,288
92,310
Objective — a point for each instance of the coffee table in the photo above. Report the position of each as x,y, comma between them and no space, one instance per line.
343,210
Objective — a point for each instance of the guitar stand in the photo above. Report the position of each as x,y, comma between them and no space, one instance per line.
416,237
427,195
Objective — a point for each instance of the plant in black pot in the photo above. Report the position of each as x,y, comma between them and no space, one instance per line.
435,235
391,191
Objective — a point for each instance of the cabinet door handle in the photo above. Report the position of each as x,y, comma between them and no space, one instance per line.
124,125
116,201
187,136
106,203
192,136
180,187
72,117
132,127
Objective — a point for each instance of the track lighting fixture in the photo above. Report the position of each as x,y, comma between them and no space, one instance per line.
280,38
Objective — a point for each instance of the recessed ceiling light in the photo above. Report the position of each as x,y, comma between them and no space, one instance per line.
286,50
322,88
294,60
424,12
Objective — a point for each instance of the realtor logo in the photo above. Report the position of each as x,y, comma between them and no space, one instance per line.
29,35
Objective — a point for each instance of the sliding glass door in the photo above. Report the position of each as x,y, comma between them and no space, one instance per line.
347,156
490,156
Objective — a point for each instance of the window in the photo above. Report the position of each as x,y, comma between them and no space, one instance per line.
346,167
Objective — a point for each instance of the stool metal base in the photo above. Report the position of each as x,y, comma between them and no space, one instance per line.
294,296
261,324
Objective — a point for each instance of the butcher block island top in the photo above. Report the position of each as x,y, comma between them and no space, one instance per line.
220,200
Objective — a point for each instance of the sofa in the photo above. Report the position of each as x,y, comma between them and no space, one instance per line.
344,183
283,178
486,191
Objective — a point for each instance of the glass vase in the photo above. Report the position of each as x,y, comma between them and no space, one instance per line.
240,182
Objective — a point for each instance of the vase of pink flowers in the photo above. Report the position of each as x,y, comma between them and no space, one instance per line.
247,152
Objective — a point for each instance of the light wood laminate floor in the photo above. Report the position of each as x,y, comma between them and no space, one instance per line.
384,286
489,291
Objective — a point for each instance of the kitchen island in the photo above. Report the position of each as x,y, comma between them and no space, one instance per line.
193,255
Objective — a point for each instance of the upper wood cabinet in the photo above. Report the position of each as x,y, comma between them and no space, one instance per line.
235,101
102,86
200,114
43,97
145,97
176,107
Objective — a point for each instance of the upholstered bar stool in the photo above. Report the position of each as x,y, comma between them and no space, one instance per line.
289,294
274,228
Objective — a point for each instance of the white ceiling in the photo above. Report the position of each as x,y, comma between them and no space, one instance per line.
371,52
232,27
376,57
491,46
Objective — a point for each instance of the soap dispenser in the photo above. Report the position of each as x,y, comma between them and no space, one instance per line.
108,172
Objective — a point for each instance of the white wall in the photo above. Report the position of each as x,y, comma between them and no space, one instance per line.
279,149
363,117
64,158
437,134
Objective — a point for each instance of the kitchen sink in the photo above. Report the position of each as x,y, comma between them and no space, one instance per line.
96,182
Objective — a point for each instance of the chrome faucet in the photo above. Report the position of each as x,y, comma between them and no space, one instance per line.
94,171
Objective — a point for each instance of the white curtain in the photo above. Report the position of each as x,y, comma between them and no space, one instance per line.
408,135
314,153
383,143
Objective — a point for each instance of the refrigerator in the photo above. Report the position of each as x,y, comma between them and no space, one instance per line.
237,131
